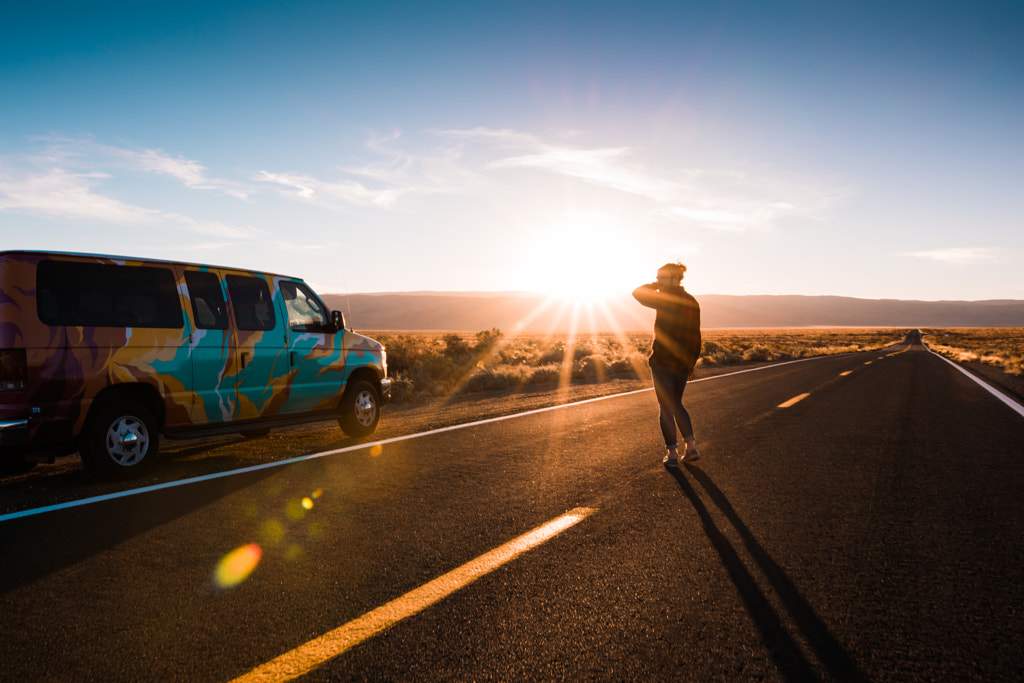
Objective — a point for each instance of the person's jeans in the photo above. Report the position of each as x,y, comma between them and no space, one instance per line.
669,384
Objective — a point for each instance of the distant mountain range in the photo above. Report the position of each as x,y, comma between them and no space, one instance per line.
526,312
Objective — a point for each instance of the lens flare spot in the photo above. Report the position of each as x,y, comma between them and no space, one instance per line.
295,510
376,450
236,566
307,503
294,553
272,532
316,494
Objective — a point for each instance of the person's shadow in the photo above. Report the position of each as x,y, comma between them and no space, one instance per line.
789,658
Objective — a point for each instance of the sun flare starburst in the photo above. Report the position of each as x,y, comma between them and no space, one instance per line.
584,262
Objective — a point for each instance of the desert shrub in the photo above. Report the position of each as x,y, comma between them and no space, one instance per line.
632,365
592,367
490,380
581,351
757,354
544,374
486,340
709,347
521,353
559,351
455,347
722,357
402,389
553,354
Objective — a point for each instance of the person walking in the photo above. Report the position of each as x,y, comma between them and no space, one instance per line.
674,354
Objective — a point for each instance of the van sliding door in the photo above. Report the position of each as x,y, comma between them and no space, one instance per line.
261,369
212,349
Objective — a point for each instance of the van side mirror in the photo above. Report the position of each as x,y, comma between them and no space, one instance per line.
338,320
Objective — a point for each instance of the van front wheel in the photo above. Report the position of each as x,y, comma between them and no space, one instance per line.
360,409
120,440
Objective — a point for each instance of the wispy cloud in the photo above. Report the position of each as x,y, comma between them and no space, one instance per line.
72,152
960,255
188,171
68,178
393,178
475,162
329,194
605,166
56,193
722,199
48,185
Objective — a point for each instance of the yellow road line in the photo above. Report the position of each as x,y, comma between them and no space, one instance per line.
305,658
793,401
844,374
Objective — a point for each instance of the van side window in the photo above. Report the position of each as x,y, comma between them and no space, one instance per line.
208,305
250,297
305,312
105,295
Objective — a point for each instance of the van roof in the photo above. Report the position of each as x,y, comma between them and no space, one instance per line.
115,257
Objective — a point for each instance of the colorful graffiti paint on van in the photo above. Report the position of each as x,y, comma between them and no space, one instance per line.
102,354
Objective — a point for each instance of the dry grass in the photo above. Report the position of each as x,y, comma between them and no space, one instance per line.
999,346
425,365
728,347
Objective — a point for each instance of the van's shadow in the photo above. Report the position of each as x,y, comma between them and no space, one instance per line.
38,545
789,658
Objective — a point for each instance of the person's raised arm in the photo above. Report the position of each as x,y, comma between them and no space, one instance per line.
648,295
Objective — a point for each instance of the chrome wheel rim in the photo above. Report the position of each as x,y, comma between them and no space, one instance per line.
127,440
366,408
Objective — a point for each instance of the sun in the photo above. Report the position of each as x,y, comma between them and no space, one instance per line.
582,262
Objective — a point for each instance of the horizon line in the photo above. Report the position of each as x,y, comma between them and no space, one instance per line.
542,295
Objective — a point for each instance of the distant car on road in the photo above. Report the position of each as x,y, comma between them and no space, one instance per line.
102,354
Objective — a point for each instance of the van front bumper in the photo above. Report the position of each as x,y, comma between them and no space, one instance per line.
13,432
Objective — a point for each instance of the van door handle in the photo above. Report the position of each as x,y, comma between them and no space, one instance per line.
244,356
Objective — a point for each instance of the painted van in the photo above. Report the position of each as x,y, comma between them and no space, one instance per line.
103,354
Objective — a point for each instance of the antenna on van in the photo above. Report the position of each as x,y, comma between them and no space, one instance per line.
348,302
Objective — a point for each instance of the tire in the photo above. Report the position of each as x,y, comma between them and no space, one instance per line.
120,441
360,409
255,433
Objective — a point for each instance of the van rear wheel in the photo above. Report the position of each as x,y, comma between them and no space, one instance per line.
120,441
360,409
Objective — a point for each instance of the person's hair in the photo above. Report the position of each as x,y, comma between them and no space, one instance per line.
676,269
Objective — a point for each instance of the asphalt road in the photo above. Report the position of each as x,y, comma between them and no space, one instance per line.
869,531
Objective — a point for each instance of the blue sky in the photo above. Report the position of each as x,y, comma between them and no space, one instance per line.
869,149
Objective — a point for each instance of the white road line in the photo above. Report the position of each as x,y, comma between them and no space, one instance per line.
793,401
348,449
316,652
1014,406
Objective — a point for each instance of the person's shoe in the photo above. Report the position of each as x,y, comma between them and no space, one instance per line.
690,454
671,458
